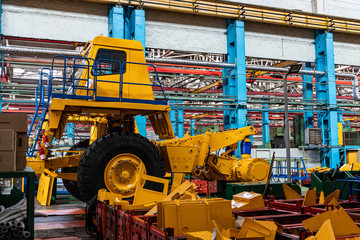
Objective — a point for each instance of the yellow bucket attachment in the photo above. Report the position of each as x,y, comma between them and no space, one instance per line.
334,194
290,193
258,229
247,200
195,215
111,198
325,232
310,197
341,223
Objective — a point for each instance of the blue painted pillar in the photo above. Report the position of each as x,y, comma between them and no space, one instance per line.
71,131
180,119
307,96
172,115
192,127
235,84
116,21
129,23
265,127
137,32
327,121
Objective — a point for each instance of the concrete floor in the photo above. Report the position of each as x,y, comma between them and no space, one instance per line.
65,221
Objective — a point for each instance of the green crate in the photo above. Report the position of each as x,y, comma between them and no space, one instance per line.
274,189
321,181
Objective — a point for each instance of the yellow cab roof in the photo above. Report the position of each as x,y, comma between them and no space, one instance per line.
117,43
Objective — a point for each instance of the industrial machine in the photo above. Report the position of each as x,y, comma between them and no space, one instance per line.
109,86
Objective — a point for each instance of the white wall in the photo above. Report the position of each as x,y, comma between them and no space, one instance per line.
57,19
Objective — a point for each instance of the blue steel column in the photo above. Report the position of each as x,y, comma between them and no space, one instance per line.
116,27
265,127
235,84
71,132
137,32
172,115
326,90
192,127
307,96
180,119
129,23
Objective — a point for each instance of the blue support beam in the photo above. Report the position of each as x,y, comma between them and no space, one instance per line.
137,32
180,119
116,22
265,127
192,127
129,23
172,115
71,132
326,90
307,89
235,85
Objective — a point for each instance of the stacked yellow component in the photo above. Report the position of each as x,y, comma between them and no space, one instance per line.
247,200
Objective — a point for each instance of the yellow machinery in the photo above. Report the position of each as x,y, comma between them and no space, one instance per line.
109,87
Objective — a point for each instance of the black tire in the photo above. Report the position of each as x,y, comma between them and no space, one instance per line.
72,186
95,159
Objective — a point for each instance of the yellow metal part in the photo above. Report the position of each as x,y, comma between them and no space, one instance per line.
290,193
310,197
143,195
205,235
325,232
334,203
281,64
340,133
177,194
122,174
247,200
53,163
207,87
318,169
322,198
110,198
334,195
192,154
195,215
258,229
341,223
46,183
177,180
352,163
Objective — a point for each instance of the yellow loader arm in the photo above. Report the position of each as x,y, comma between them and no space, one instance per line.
193,154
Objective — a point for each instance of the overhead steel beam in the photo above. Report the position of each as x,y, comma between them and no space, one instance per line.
249,12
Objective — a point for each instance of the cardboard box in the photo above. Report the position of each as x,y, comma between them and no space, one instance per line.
21,142
7,161
7,140
14,121
20,161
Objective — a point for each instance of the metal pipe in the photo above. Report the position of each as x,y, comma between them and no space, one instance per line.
11,49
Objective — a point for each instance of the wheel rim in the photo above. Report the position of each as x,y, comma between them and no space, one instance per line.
122,174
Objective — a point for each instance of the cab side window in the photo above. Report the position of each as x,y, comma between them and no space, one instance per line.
108,61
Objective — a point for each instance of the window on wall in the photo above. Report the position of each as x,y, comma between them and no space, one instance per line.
108,61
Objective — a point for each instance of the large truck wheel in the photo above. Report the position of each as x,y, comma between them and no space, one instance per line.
72,186
115,162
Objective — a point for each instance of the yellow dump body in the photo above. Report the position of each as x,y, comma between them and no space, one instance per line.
109,54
